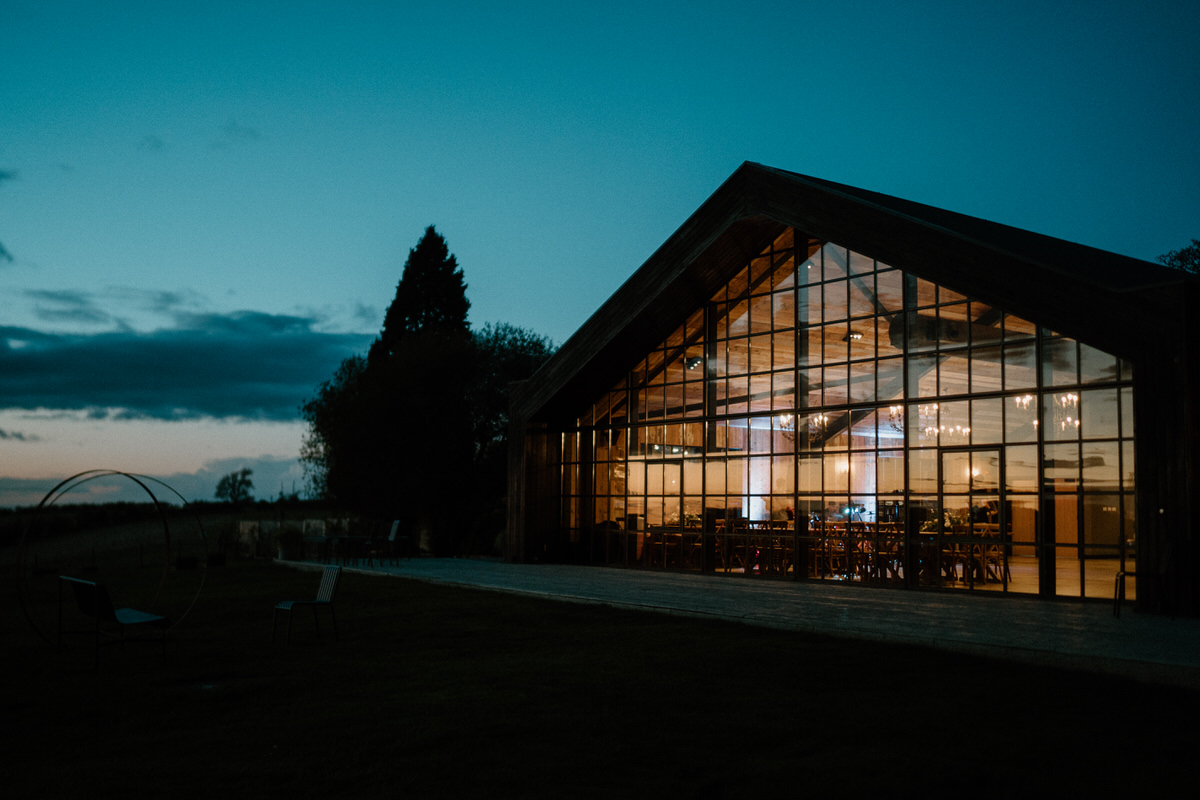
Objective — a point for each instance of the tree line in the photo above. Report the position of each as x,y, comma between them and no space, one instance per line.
415,430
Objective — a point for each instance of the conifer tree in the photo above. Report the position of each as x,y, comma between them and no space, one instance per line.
416,430
431,298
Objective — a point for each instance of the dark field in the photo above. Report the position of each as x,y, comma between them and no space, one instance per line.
434,691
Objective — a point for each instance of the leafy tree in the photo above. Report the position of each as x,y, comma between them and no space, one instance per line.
337,437
415,431
503,354
235,487
1185,258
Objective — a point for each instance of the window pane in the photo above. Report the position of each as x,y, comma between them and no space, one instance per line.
1095,365
1127,471
922,375
808,474
862,430
987,421
891,471
836,385
837,342
889,290
1060,416
1020,418
1062,466
783,393
889,378
954,423
1098,413
837,473
1060,366
923,425
862,382
956,472
834,260
986,363
1021,468
952,373
1101,466
1020,366
862,295
922,470
862,473
808,394
926,293
837,301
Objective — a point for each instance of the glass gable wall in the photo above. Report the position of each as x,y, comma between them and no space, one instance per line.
826,416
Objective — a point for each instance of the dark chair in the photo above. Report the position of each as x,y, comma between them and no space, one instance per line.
93,601
324,598
388,549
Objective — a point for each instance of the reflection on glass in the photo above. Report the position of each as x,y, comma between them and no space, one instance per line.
1020,366
1021,468
1021,418
985,471
1060,416
1095,365
953,373
956,472
1061,362
875,389
1099,414
1101,466
987,421
922,470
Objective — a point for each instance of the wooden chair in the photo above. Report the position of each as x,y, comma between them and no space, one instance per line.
93,601
324,598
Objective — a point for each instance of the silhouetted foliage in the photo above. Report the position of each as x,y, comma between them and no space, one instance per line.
431,297
337,437
1185,258
235,487
415,431
504,353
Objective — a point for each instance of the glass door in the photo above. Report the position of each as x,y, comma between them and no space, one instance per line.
973,532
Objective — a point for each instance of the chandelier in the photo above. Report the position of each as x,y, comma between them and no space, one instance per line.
1066,411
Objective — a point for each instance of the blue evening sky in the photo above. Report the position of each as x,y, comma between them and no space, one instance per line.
205,206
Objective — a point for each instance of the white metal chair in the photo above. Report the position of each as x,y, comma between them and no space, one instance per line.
324,598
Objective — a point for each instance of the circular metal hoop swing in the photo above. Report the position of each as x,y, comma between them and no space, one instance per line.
144,481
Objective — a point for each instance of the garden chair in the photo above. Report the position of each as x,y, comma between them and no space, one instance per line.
93,601
329,582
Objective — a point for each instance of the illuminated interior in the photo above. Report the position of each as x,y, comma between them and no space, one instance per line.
825,416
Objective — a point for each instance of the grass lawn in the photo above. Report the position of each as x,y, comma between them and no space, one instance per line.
434,691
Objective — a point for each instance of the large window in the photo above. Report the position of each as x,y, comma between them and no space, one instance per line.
827,416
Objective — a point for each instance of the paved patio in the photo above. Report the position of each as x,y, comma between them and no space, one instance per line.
1068,634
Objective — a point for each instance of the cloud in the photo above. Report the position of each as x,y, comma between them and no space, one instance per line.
152,144
68,305
234,134
241,365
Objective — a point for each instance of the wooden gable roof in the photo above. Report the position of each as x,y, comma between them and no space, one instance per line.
1115,302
